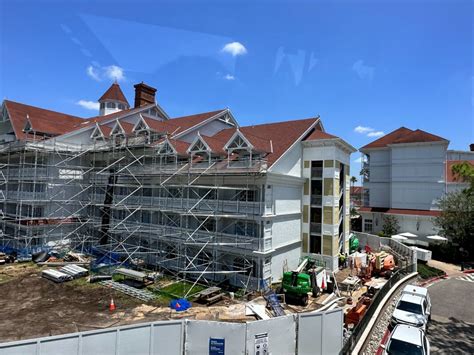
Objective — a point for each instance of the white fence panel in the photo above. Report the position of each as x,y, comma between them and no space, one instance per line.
202,336
320,332
103,342
276,336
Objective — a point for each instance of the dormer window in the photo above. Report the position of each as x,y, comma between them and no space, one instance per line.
110,104
97,134
239,150
28,128
199,150
118,133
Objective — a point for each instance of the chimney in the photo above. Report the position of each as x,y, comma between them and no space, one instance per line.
471,147
144,94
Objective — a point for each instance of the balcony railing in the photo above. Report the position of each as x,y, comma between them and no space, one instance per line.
315,228
316,200
316,172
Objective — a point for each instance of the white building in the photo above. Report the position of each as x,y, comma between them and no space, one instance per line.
198,195
405,173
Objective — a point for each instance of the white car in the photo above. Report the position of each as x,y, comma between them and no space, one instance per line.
407,340
413,308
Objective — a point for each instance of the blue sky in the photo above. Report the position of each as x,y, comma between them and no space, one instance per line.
374,64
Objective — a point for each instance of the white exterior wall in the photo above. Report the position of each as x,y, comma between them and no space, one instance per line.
289,256
379,184
418,176
285,230
290,163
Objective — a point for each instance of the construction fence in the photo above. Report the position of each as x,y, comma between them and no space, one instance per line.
305,333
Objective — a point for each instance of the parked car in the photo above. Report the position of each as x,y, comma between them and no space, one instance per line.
413,307
406,340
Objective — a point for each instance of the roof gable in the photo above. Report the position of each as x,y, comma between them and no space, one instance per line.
114,93
41,120
403,135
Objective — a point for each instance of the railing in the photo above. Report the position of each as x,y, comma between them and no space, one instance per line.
315,228
356,333
316,200
316,173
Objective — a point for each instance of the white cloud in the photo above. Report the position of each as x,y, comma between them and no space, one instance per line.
375,134
358,160
363,71
111,72
93,73
234,48
229,77
363,130
89,105
368,131
114,72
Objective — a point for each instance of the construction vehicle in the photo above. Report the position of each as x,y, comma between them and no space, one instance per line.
380,264
308,277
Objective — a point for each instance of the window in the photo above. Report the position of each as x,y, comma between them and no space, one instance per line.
368,225
110,104
315,244
102,105
121,106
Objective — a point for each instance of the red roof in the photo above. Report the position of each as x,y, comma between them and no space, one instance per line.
114,93
403,135
400,211
185,122
42,120
216,145
450,177
357,190
273,138
318,134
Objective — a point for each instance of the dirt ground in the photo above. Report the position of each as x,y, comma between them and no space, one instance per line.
32,306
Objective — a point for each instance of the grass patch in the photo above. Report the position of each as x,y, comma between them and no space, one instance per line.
180,289
427,272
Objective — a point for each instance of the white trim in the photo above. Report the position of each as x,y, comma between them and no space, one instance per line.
117,123
294,143
97,129
210,119
167,141
238,133
196,139
140,120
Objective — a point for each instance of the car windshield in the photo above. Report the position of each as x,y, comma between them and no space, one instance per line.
410,307
397,347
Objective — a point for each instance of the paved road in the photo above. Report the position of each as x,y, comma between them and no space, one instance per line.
451,330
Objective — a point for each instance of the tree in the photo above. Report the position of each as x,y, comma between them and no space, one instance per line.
457,218
390,225
353,180
464,171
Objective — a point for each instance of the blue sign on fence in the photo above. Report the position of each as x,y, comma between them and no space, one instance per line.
216,346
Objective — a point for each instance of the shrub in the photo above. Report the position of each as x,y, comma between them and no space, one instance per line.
427,272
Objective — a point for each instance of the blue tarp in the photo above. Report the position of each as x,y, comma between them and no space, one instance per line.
180,304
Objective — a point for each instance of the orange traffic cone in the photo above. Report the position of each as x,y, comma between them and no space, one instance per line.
112,305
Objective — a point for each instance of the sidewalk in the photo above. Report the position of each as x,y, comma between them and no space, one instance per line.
449,269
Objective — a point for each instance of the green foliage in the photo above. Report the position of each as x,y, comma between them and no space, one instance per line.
427,272
390,225
465,172
353,180
457,219
180,289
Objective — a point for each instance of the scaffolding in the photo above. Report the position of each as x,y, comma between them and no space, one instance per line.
140,203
